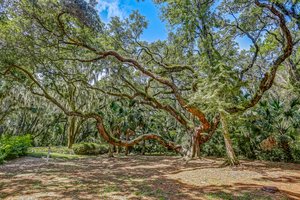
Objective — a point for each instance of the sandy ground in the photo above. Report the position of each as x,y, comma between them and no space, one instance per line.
146,177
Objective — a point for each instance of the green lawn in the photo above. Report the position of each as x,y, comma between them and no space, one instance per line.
55,152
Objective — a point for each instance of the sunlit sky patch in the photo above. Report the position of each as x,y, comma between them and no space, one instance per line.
156,27
122,8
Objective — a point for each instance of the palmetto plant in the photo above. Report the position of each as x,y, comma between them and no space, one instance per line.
280,119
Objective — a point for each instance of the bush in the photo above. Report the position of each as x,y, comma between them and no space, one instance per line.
90,148
296,153
14,147
275,155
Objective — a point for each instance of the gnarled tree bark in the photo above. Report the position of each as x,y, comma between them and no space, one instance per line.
74,125
231,157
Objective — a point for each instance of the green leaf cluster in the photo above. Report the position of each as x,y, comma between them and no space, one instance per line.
14,146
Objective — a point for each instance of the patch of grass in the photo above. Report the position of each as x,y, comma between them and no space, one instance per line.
11,174
53,149
55,152
67,186
148,191
37,185
243,196
3,195
110,189
54,155
161,154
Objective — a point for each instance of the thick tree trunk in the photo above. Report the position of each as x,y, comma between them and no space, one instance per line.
74,125
111,151
71,141
117,134
198,138
231,157
189,149
71,131
196,145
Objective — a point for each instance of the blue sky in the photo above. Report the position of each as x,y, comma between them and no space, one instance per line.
122,8
156,27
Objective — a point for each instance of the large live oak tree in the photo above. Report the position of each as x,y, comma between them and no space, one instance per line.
198,75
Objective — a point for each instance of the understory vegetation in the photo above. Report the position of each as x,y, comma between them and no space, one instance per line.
13,147
90,149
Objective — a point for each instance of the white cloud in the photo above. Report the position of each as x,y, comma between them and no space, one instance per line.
112,7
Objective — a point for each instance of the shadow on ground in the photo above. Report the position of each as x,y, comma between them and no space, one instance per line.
145,177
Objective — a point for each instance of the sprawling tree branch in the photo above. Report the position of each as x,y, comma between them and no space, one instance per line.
100,124
269,77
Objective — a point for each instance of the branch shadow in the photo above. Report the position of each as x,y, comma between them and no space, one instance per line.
132,177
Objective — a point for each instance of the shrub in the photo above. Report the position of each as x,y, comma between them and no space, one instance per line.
14,147
275,155
296,153
90,148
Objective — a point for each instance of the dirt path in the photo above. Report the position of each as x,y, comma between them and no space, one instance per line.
145,177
